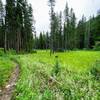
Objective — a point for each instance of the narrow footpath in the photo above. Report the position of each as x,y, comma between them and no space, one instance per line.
7,92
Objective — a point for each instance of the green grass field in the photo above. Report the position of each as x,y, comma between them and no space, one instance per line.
6,66
74,81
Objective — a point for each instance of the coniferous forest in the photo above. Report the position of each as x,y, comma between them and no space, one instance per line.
16,25
60,63
17,29
69,35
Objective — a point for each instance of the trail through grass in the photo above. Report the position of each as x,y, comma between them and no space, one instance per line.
6,66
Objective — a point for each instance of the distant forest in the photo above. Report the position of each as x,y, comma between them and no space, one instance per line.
17,29
70,35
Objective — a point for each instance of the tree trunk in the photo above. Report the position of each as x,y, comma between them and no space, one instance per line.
5,42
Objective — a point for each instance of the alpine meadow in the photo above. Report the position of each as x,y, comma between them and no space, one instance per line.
62,63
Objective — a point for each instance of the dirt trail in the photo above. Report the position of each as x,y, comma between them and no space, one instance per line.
7,92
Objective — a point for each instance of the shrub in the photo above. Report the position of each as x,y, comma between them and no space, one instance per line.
97,46
33,51
1,52
56,68
60,50
96,70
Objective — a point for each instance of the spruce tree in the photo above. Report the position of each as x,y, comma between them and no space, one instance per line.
27,27
52,15
66,28
2,26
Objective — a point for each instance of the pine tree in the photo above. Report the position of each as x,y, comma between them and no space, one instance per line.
60,32
1,24
28,24
19,25
81,30
47,41
72,30
87,35
10,23
66,28
52,15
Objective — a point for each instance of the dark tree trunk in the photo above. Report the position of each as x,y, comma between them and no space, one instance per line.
5,42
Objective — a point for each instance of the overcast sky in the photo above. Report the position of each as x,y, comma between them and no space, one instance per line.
41,10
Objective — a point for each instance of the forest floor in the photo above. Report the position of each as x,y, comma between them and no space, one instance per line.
8,90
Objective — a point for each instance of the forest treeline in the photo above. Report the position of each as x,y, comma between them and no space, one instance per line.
66,34
17,30
16,25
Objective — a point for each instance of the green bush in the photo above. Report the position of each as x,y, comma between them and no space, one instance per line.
96,70
33,51
97,46
1,52
56,68
60,50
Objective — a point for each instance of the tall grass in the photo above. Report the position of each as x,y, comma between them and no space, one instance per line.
95,71
6,67
75,82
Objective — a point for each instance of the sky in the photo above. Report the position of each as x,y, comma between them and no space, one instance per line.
41,10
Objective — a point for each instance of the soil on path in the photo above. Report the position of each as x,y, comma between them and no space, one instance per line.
7,92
